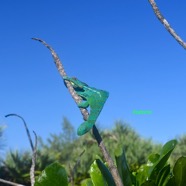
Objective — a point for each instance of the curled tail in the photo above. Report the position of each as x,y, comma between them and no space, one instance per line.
87,125
84,128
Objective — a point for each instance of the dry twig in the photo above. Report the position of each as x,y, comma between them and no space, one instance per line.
85,114
34,148
166,24
32,169
10,183
26,128
72,171
63,73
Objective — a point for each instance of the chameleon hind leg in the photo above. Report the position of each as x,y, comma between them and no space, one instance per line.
84,128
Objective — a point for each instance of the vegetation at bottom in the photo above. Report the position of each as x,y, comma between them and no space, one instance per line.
65,159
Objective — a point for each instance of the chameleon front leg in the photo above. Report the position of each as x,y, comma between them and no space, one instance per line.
83,104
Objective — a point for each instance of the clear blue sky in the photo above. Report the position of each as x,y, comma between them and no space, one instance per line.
118,46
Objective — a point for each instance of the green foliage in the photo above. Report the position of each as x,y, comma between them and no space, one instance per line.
136,148
54,174
180,149
179,172
65,147
156,169
96,175
87,182
60,146
130,151
16,166
156,172
105,172
122,166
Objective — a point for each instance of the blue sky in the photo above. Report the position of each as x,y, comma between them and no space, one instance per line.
118,46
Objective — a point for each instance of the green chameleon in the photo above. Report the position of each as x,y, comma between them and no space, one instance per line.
92,97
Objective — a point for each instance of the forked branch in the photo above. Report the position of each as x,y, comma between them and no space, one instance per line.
33,147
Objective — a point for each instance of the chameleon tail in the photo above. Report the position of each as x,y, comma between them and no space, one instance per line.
84,128
87,125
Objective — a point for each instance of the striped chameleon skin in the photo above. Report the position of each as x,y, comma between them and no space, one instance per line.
93,98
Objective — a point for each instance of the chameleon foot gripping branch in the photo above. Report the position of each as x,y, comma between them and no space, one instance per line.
92,97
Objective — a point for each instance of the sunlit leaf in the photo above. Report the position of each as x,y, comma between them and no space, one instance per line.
96,175
164,156
54,174
87,182
123,168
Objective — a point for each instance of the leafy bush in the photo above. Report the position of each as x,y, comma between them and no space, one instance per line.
156,172
131,153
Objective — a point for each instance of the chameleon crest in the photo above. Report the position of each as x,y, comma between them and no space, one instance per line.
93,98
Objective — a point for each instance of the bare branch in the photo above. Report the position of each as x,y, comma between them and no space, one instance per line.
62,72
85,114
25,125
32,169
34,148
10,183
107,157
166,24
72,171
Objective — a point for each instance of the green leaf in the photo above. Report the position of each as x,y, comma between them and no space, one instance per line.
168,147
87,182
142,174
123,168
149,183
153,158
163,176
164,156
155,164
179,171
96,176
54,174
105,172
171,182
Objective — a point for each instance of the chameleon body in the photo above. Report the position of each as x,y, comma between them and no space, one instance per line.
93,98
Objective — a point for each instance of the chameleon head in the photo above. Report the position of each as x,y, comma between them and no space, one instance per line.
75,82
